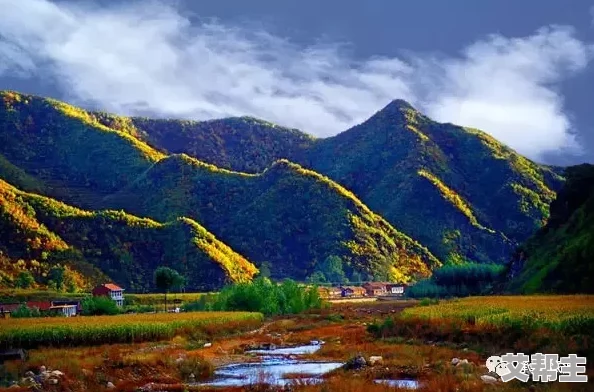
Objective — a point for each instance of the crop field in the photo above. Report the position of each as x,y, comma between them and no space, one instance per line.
569,313
91,330
159,299
561,324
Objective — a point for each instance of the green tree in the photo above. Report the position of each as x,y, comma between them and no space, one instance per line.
56,275
332,269
317,277
24,280
23,311
267,297
356,277
51,285
167,279
97,306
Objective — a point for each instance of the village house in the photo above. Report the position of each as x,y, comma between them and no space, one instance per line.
110,290
375,289
353,291
396,289
329,292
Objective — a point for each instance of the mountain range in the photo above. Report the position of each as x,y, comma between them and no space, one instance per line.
394,197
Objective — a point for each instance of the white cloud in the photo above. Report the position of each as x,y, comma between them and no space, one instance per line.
148,58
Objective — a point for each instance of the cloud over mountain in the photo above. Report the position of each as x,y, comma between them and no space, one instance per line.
148,58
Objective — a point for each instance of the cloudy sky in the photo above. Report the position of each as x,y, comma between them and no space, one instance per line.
521,70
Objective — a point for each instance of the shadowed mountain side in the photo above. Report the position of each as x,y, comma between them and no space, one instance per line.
559,257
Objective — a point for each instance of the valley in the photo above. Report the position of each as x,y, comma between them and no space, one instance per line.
440,358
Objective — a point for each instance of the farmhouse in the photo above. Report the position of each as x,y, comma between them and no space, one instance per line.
396,289
353,291
110,290
375,289
329,292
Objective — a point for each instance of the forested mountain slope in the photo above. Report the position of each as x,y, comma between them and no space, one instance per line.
560,256
289,217
39,233
480,199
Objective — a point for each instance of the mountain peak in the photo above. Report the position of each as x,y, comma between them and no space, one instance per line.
397,108
399,104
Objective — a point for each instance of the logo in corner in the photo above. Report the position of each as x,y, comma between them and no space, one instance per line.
496,365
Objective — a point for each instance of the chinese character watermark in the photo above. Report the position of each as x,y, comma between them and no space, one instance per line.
542,367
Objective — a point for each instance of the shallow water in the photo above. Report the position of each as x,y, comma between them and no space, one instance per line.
408,384
271,370
274,367
298,350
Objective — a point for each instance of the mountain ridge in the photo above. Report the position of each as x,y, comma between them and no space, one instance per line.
92,163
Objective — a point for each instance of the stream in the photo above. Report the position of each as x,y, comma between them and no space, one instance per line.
278,366
283,366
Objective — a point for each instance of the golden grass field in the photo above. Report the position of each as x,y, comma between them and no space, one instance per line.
89,330
555,312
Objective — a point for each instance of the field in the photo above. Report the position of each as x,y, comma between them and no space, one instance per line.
561,324
29,333
571,314
159,299
416,342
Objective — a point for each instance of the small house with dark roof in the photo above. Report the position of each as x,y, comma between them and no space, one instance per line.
353,291
110,290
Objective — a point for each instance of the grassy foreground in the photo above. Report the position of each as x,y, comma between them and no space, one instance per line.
30,333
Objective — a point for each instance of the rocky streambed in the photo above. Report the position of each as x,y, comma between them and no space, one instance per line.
275,366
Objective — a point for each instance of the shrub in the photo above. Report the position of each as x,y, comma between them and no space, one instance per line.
98,306
268,298
24,280
205,302
196,365
458,281
23,311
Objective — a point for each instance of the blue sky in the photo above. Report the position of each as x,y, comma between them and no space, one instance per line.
521,70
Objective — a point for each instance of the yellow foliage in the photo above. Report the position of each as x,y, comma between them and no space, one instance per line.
455,199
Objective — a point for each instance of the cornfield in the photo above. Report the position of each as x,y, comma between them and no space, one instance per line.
568,313
91,330
159,299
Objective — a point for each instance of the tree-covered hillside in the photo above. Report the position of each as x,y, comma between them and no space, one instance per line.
288,217
39,233
456,190
560,256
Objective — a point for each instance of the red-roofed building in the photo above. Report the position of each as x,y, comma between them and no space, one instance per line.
110,290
